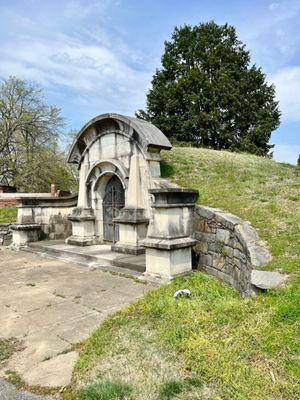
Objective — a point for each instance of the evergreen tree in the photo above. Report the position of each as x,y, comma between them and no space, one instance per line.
208,93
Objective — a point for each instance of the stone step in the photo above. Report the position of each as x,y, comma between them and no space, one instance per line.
97,256
265,280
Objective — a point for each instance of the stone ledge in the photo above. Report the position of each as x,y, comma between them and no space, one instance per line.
132,216
25,227
179,196
171,205
168,244
265,280
82,214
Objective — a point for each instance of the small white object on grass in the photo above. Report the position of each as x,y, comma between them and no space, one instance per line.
182,292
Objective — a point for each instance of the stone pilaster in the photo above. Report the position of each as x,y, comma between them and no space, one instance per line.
132,220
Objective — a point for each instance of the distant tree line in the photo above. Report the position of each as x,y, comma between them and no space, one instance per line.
207,92
30,157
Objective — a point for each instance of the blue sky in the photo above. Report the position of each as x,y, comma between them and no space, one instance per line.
96,56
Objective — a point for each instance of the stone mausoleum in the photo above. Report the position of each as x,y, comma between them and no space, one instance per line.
123,201
127,216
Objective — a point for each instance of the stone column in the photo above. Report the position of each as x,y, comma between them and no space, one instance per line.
168,245
82,216
132,221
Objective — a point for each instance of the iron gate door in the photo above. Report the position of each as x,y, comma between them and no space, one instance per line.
114,200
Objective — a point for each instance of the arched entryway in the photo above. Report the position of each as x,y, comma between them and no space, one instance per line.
113,201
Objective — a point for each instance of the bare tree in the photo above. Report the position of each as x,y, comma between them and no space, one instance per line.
28,128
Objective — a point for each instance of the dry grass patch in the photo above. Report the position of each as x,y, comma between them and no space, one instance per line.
135,357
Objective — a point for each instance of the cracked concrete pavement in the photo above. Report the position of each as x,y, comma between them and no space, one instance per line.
50,305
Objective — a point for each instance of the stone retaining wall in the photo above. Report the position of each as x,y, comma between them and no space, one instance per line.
228,247
5,234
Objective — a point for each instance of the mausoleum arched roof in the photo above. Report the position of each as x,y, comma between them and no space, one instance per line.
144,133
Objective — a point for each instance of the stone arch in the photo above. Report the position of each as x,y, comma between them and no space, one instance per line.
96,185
107,165
143,133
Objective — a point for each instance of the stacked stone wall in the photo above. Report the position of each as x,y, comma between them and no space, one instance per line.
228,247
5,234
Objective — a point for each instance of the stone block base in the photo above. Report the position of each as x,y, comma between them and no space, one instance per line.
168,264
81,241
25,233
83,227
127,249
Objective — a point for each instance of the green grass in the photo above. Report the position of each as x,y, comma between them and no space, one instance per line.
241,349
14,378
172,389
8,214
106,391
8,347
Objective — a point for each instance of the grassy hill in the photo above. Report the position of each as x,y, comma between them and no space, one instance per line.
215,345
259,190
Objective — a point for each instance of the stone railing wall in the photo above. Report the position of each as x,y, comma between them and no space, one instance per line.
5,234
51,213
228,247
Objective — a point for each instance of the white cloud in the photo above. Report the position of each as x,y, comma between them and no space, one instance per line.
287,83
286,153
94,68
274,6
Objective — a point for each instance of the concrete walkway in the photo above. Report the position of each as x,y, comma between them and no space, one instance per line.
50,305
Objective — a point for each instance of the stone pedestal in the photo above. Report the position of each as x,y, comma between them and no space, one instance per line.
168,245
132,228
25,233
83,227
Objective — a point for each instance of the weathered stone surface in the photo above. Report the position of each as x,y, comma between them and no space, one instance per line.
228,251
205,237
201,247
223,235
206,212
246,234
259,255
218,261
228,220
238,263
267,279
56,372
5,234
213,247
206,259
238,254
